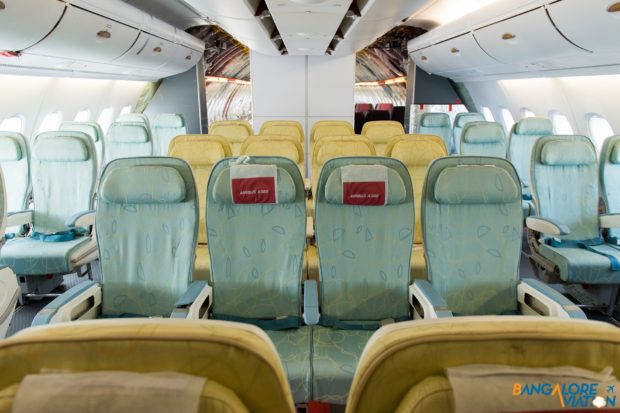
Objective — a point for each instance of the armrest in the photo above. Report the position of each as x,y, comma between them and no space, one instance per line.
19,218
195,303
307,184
9,282
426,301
537,298
546,226
310,228
609,221
311,302
81,302
81,219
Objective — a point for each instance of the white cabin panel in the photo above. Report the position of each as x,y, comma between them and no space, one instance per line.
25,22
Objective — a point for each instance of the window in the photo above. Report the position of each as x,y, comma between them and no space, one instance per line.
599,129
51,122
488,115
507,119
125,110
13,124
105,119
82,116
561,125
526,113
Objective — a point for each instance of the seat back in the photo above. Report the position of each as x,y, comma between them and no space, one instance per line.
330,128
483,139
93,130
363,107
15,163
218,351
417,152
134,118
564,183
126,140
284,127
276,145
364,234
64,173
201,152
609,175
9,289
398,114
437,124
147,223
471,223
381,132
385,106
335,147
523,136
234,131
377,115
460,121
165,127
256,239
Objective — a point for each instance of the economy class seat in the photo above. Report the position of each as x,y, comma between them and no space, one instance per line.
257,245
417,152
126,140
234,131
381,132
64,172
165,127
398,114
609,175
169,365
135,118
473,363
9,288
471,223
364,234
201,152
460,121
437,124
93,130
275,145
565,237
15,163
483,139
147,225
325,128
284,127
523,136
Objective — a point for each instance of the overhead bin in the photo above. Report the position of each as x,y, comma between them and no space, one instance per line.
41,17
593,25
147,51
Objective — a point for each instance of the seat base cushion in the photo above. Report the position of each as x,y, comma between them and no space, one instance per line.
28,256
579,265
202,265
336,354
418,263
294,348
431,395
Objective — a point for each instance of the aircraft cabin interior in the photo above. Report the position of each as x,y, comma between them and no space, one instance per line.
309,206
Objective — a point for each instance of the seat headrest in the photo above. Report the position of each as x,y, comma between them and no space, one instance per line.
59,148
534,126
418,150
366,185
282,146
475,184
254,184
615,154
143,184
336,147
10,150
198,153
169,120
567,153
435,120
133,117
483,132
128,132
88,128
463,119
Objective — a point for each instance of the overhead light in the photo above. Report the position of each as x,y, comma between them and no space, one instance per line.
308,1
303,49
445,11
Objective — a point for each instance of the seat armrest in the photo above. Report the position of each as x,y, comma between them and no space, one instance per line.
426,301
19,218
311,302
195,303
7,274
609,220
81,219
310,228
546,226
537,298
82,302
308,185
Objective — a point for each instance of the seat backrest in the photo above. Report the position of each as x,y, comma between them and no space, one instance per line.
127,139
483,139
64,172
330,128
93,130
363,107
276,145
564,183
284,127
398,114
460,121
417,152
256,226
437,124
335,147
201,152
471,223
385,106
377,115
609,175
364,234
165,127
147,223
219,351
523,136
234,131
381,132
134,117
15,163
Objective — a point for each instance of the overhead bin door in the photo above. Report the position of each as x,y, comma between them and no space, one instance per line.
462,52
429,59
528,37
87,36
25,22
182,59
593,25
148,51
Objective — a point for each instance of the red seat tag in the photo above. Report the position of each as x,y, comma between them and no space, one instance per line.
257,190
363,193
